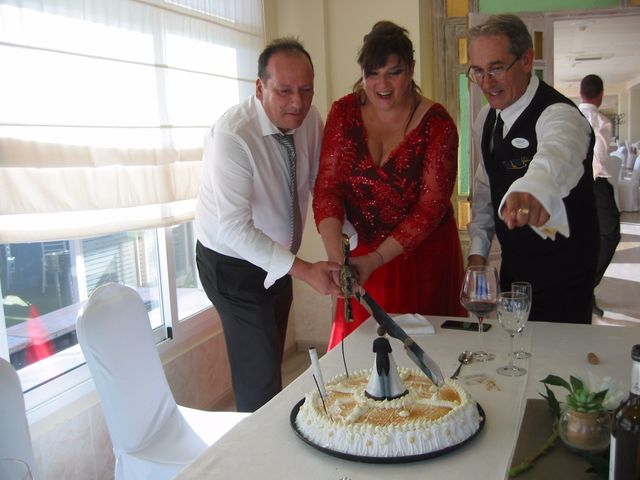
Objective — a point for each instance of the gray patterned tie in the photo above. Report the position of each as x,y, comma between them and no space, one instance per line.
289,150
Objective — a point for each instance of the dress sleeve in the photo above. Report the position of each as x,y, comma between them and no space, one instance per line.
439,171
327,201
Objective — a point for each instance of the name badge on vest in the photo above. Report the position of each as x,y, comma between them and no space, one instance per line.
520,142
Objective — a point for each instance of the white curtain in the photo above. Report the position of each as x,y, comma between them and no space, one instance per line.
104,105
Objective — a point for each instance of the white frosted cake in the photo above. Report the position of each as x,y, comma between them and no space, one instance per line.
425,420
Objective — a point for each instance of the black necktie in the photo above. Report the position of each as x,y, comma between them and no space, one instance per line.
296,218
497,133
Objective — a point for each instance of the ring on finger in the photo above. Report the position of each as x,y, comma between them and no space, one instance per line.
523,211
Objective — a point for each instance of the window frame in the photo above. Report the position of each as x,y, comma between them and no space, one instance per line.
76,385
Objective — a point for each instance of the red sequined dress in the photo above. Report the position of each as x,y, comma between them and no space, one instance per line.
408,198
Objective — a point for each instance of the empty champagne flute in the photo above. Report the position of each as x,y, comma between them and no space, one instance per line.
523,287
513,308
479,295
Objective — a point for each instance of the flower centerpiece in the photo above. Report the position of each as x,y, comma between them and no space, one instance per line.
583,421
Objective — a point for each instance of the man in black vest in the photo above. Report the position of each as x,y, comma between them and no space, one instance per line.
533,187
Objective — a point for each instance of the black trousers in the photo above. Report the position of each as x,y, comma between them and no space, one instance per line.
609,222
254,321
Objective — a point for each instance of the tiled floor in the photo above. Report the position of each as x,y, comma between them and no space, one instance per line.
618,294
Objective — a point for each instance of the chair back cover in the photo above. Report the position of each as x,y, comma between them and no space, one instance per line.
621,153
614,167
630,156
629,190
116,338
15,437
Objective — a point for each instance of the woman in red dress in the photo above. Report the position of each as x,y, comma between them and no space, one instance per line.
388,165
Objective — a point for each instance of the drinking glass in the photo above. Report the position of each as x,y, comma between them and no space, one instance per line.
14,469
478,296
513,308
523,287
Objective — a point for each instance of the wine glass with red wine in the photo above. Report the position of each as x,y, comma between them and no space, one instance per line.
479,296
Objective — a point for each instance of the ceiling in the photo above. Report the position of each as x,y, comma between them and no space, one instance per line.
608,47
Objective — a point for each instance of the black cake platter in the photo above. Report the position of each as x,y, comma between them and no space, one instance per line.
399,459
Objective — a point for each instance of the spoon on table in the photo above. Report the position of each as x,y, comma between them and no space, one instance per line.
464,359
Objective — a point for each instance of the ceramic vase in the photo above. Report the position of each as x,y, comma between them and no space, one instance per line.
585,432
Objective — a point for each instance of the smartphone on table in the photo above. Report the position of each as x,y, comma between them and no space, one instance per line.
462,325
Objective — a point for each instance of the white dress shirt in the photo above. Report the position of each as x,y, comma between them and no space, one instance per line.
563,136
244,204
603,131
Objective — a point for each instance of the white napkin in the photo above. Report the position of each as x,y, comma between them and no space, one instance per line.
414,324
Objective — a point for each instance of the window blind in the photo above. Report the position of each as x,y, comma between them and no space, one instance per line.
104,107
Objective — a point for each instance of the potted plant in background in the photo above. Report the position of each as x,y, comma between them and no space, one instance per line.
584,423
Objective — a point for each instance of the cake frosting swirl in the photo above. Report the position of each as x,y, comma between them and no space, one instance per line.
425,420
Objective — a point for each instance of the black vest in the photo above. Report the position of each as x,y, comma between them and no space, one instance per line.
524,252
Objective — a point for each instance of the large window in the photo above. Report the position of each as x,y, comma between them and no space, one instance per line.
45,284
105,104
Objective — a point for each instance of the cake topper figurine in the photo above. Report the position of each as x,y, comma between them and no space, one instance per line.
417,355
384,382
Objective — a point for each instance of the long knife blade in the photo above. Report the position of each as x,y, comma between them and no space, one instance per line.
413,350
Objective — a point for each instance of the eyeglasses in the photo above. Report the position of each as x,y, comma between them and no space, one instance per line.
476,75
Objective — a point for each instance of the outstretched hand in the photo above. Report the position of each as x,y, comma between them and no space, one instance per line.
521,209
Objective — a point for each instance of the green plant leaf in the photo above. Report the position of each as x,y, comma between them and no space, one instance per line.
576,384
557,381
554,405
599,397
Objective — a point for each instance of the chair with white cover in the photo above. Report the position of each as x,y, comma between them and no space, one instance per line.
614,168
622,153
153,437
15,438
628,190
630,156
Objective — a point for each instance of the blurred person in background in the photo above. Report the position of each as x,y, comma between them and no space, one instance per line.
591,93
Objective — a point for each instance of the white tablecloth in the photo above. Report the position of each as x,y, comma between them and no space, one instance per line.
264,446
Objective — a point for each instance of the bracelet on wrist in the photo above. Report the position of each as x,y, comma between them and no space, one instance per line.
380,257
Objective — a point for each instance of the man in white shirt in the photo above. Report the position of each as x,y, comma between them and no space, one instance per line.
260,162
533,187
591,93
